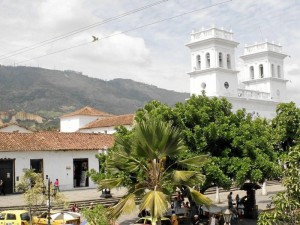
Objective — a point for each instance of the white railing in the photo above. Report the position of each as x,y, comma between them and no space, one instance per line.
262,47
250,94
211,33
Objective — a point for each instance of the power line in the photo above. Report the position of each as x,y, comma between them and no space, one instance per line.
129,30
79,30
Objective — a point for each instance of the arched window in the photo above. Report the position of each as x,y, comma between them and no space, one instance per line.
272,70
220,59
228,61
251,72
207,60
261,71
198,63
278,71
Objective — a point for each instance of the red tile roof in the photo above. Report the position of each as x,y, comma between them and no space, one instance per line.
87,110
54,141
111,121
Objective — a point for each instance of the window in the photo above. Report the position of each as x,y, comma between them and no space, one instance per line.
261,71
278,71
11,216
272,70
226,85
2,216
251,72
198,62
228,61
207,60
220,59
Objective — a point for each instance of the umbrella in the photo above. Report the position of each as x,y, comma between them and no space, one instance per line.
65,216
212,209
84,223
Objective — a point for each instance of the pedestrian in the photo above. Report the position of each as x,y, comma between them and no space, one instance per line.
56,185
2,187
187,208
213,220
237,200
174,219
229,198
196,220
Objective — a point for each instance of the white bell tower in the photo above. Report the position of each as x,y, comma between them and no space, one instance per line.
263,70
213,63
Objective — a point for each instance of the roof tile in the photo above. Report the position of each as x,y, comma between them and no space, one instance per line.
87,110
54,141
111,121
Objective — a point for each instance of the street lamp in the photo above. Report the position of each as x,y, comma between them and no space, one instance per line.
48,200
227,216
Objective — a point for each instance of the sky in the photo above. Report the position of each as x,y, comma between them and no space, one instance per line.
57,34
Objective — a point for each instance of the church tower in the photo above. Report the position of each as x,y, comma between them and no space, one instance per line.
213,63
263,71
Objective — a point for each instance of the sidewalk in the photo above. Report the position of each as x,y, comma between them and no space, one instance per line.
90,194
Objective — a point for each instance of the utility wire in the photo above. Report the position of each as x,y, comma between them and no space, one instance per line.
126,31
79,30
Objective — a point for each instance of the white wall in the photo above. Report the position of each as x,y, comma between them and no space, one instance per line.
103,130
57,164
74,123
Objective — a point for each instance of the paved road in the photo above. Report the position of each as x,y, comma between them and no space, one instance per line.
90,194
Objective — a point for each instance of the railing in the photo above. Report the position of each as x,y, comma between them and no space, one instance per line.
211,33
262,47
253,94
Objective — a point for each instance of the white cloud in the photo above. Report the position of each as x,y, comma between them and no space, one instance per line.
155,54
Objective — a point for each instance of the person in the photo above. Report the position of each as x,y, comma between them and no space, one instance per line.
56,185
213,220
196,220
2,186
74,207
229,198
187,208
237,200
174,219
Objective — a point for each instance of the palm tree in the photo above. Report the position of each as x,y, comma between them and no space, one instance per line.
149,164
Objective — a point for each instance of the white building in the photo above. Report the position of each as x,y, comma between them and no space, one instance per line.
258,88
107,125
14,127
74,121
63,156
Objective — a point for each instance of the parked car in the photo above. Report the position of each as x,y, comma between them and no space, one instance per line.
148,219
15,217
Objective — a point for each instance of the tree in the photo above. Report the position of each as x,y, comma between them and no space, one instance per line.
238,144
96,216
286,126
150,163
33,187
287,203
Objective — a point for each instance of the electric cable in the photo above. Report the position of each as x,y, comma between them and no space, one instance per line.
129,30
79,30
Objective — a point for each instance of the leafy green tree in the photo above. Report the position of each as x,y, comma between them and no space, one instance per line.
151,162
96,215
286,126
33,187
238,144
287,203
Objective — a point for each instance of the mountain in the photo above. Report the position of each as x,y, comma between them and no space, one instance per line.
52,93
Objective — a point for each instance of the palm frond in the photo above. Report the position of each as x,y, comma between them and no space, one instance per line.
197,161
155,202
188,178
200,198
124,206
110,183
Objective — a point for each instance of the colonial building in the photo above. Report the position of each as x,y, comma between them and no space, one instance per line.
260,85
63,156
90,120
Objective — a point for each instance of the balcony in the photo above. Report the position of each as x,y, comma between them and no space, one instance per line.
262,47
